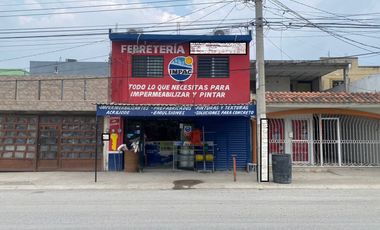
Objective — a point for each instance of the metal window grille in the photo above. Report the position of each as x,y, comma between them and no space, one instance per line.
213,67
147,66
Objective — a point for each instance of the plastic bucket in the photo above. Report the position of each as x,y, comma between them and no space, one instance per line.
198,157
209,157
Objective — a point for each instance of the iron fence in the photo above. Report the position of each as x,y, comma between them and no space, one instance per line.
326,140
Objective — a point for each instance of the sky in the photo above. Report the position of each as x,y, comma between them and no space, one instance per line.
56,30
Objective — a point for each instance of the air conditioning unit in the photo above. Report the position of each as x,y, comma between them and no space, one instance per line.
221,32
135,31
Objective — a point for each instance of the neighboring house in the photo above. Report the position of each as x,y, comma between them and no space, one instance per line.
320,128
296,75
70,67
354,71
325,128
48,122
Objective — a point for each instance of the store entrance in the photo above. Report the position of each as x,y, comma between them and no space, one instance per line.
159,140
202,144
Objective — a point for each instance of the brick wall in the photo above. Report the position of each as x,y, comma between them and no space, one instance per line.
52,93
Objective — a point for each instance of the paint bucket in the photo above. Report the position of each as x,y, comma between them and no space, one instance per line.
185,161
209,157
198,157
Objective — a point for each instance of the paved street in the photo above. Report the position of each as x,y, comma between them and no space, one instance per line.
190,209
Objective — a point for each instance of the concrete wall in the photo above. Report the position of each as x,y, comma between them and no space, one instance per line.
277,84
52,93
367,84
356,72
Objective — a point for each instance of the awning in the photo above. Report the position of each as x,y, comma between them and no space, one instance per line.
128,110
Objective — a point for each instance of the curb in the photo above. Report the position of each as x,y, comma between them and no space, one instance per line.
169,186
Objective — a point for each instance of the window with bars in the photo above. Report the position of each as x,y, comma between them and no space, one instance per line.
148,66
213,67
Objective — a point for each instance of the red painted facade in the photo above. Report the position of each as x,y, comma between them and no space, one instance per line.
165,90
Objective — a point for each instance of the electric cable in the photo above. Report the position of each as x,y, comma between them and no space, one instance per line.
110,10
337,36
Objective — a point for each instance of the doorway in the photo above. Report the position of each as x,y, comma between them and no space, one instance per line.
48,146
330,141
155,140
301,140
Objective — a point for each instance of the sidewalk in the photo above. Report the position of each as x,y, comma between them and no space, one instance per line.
303,178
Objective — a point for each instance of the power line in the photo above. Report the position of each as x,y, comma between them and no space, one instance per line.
154,24
228,14
274,44
47,44
89,6
337,36
102,40
211,26
49,3
109,10
324,11
271,24
53,51
208,14
120,28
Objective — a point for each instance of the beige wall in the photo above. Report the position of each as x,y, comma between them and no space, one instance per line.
55,93
356,72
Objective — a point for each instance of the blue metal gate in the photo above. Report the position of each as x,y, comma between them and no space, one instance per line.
231,136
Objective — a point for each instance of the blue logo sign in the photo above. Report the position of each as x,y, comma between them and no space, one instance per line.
181,68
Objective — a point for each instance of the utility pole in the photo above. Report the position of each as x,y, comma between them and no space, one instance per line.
346,78
260,87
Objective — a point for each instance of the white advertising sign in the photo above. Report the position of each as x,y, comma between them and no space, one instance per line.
218,48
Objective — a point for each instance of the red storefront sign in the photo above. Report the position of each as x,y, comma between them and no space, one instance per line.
180,82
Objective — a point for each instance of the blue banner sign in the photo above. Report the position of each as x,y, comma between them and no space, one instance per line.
176,110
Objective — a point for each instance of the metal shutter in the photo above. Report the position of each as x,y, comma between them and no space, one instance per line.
232,136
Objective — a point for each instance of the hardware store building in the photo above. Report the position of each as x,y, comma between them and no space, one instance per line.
181,96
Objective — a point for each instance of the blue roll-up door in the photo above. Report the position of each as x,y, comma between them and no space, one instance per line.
232,136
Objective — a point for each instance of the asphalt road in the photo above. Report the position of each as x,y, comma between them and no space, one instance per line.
190,209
